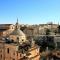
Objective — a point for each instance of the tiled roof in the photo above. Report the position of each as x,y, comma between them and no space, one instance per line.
1,30
5,24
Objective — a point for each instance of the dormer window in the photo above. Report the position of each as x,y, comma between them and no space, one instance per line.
17,38
22,40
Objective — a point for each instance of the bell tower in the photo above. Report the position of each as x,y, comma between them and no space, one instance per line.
17,25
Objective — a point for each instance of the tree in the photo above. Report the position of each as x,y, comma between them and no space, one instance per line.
42,42
50,42
47,31
45,41
55,31
58,29
23,28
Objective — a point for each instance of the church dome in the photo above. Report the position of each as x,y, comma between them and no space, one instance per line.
17,32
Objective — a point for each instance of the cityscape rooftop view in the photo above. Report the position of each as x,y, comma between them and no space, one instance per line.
29,29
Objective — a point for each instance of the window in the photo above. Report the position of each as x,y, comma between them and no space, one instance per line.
13,59
13,53
22,40
12,40
17,38
20,55
1,56
7,50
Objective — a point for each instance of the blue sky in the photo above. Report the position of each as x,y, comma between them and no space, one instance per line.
29,11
